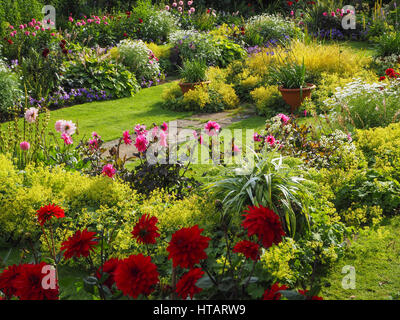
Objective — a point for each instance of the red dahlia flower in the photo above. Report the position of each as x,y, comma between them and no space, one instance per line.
391,73
140,20
145,231
304,293
29,283
186,247
47,212
79,245
7,280
382,78
109,267
273,292
265,224
187,284
250,249
136,275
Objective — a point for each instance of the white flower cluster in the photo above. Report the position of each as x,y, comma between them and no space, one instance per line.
139,59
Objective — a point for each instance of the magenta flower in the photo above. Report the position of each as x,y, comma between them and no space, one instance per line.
325,14
256,137
212,128
127,138
284,118
25,146
109,170
164,127
163,139
141,143
67,139
236,150
270,140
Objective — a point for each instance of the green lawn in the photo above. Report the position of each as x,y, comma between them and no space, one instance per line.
375,255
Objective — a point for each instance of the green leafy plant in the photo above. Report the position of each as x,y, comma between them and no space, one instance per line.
289,75
271,183
193,71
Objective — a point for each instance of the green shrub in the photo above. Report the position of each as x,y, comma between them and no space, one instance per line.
388,44
193,71
264,28
95,70
191,45
19,12
362,105
381,147
267,100
138,58
273,183
10,91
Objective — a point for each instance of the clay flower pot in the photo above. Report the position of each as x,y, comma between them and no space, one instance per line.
186,86
295,97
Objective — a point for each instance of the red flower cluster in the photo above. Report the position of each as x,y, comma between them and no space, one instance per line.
47,212
250,249
273,292
186,286
265,224
136,275
186,247
25,282
109,267
304,293
145,231
80,244
391,73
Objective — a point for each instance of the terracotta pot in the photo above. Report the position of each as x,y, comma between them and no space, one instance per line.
185,87
295,97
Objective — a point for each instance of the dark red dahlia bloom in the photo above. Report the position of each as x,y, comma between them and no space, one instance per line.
140,20
136,275
7,280
382,78
109,267
273,292
265,224
47,212
29,283
45,52
304,293
79,245
186,247
250,249
391,73
145,231
186,286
